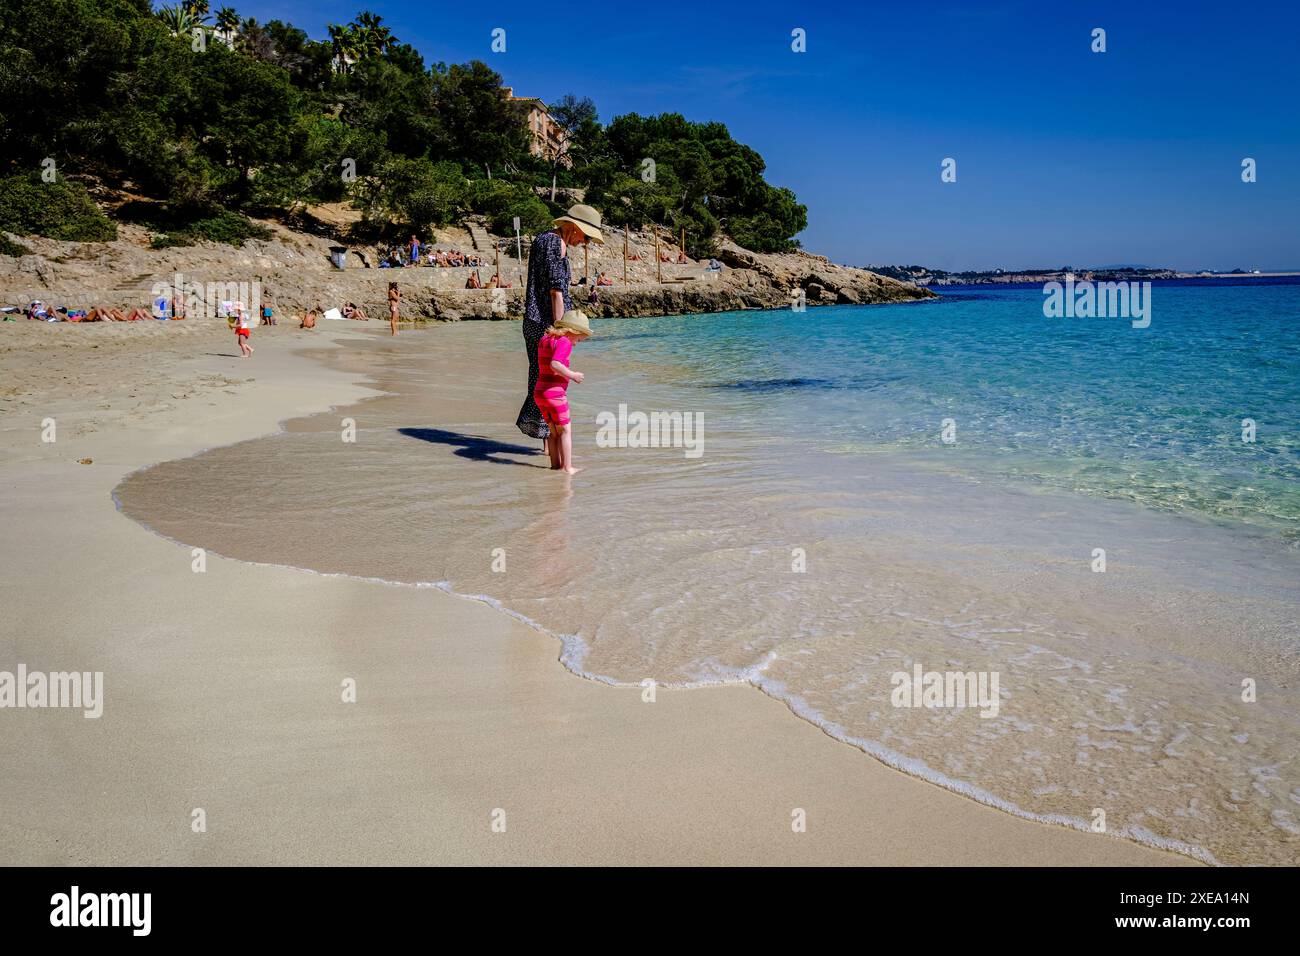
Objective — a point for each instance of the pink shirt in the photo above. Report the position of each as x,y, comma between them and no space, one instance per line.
553,348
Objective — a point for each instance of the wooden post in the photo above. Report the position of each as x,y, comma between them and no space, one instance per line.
625,232
659,263
586,248
498,248
519,252
682,245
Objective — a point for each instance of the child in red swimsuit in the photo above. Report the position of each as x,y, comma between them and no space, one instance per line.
553,378
242,330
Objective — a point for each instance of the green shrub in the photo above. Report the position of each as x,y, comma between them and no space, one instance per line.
226,226
502,201
414,193
10,248
534,216
57,210
167,240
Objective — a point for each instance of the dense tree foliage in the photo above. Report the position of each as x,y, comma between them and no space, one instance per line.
217,116
688,175
60,210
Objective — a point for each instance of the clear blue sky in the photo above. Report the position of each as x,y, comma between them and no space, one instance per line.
1064,156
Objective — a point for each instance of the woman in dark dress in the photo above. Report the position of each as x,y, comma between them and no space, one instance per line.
546,298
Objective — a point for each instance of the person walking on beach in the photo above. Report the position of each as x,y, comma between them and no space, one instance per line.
546,297
551,392
243,329
394,297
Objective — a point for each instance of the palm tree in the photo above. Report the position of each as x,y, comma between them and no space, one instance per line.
227,24
374,37
198,9
255,41
347,46
178,19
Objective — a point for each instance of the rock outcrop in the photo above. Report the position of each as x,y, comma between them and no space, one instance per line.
294,272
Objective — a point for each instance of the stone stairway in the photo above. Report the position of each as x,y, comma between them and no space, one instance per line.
482,241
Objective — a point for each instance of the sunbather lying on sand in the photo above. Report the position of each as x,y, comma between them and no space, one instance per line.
102,313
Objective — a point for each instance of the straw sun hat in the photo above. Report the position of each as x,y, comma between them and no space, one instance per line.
586,219
574,321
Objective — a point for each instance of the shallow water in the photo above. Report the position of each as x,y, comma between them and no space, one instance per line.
827,538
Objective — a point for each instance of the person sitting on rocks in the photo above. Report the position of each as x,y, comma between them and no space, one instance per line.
473,282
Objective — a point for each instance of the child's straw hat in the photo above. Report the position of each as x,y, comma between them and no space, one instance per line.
574,321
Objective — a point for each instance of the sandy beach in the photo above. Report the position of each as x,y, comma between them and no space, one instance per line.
224,689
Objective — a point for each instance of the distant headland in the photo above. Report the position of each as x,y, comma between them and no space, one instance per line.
926,276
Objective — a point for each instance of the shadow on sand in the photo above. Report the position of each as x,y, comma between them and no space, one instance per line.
474,447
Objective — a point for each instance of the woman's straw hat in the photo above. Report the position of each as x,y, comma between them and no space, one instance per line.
574,321
586,219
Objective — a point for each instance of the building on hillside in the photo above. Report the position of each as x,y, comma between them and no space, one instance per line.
546,137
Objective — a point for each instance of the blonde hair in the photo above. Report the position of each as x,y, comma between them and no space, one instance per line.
561,330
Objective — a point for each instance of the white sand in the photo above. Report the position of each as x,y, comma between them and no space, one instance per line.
223,689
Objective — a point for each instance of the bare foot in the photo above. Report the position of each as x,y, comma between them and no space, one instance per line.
572,471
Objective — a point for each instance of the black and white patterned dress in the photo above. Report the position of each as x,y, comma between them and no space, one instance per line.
548,269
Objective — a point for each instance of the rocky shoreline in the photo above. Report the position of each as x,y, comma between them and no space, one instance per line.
293,271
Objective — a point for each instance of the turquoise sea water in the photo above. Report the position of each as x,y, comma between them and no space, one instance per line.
1091,405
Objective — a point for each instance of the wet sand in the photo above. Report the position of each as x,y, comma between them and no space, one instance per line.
224,688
